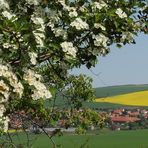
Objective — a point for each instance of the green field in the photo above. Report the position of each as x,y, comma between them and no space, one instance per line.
97,105
93,105
108,139
119,90
116,139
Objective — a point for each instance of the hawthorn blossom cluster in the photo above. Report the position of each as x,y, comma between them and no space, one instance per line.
120,13
99,5
100,40
8,15
33,57
3,119
6,87
4,4
69,48
97,25
13,81
40,90
33,2
13,85
39,32
71,10
6,12
60,32
127,36
79,24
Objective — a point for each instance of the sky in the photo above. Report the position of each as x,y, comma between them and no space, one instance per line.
127,65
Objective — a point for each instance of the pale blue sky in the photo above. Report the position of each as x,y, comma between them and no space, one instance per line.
127,65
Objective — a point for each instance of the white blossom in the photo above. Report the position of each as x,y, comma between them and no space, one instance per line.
18,88
39,32
83,8
38,21
30,76
72,11
10,45
2,110
100,40
4,4
33,57
99,5
40,90
33,2
103,51
13,81
97,25
60,32
79,24
4,124
39,37
120,13
8,15
62,2
73,14
69,48
3,120
127,36
50,24
6,45
4,90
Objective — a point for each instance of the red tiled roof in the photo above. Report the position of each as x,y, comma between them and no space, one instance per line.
124,119
134,113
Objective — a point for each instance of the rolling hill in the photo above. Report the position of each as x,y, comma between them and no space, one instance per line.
115,91
109,91
104,92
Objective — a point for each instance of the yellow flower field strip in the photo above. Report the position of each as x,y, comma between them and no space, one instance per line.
135,99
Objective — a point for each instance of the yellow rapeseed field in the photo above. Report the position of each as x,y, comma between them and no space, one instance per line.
135,99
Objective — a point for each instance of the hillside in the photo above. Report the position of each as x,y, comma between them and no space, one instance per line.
119,90
103,92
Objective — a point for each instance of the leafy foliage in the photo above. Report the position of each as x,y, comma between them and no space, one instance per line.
40,41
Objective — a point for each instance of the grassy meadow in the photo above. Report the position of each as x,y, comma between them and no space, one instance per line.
110,97
108,139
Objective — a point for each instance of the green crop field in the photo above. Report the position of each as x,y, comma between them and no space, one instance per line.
112,139
119,90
